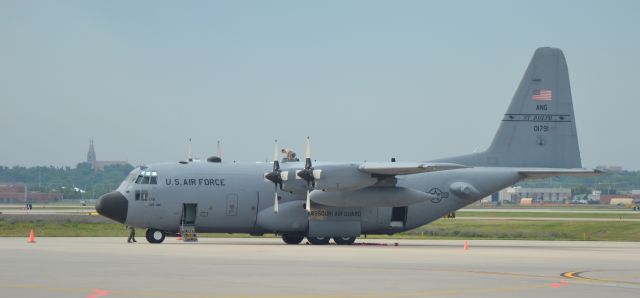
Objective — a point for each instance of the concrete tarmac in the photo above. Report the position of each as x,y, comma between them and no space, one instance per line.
262,267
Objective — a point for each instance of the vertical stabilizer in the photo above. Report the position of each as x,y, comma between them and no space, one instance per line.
538,129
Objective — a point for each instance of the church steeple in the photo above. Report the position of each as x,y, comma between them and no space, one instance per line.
91,155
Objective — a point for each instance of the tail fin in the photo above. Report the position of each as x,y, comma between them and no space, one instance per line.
538,129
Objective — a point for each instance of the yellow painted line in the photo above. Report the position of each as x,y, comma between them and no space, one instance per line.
578,276
570,274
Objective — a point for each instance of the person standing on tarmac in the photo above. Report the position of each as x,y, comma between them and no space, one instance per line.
132,234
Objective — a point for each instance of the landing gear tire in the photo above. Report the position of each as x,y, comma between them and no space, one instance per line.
344,240
155,236
318,240
292,239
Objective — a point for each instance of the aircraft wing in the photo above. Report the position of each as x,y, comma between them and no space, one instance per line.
402,168
535,173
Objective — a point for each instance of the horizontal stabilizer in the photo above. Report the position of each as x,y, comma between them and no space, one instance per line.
536,173
402,168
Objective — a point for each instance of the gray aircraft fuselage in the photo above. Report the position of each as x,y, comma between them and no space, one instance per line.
235,198
537,138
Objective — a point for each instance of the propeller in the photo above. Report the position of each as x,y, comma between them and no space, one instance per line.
307,174
275,176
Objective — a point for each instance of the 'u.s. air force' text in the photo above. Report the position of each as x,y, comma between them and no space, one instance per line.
195,182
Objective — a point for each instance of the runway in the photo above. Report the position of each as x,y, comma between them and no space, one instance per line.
262,267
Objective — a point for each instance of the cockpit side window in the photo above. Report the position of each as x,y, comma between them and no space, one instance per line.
142,195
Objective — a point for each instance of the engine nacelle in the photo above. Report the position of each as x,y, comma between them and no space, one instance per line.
371,197
342,178
293,185
291,217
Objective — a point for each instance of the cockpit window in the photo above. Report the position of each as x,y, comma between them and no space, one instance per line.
147,177
131,178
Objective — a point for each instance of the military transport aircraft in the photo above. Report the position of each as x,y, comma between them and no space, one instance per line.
323,200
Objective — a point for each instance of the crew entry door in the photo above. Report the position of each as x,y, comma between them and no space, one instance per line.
188,222
189,212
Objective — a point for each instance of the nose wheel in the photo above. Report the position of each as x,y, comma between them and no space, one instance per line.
154,236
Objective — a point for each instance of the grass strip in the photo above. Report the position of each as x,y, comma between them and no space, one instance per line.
621,215
441,229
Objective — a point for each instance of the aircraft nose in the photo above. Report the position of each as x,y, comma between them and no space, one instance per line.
113,205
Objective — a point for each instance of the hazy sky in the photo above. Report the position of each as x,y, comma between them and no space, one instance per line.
367,80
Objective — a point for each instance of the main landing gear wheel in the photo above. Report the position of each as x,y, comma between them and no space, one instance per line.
344,240
292,239
318,240
155,236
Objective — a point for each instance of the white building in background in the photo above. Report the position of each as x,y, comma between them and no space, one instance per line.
547,195
512,195
503,196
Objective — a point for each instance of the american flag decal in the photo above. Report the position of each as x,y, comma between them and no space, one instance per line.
541,94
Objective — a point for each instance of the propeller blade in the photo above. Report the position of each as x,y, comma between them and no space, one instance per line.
276,151
189,153
218,151
308,151
275,176
307,172
275,202
308,205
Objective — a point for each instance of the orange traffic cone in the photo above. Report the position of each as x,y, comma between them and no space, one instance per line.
466,245
179,237
32,237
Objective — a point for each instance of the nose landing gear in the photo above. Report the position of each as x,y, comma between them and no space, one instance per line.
154,236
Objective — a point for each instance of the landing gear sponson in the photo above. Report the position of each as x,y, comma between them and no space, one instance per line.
296,239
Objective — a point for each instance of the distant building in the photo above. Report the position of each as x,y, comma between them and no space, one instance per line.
547,195
594,196
16,192
98,164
